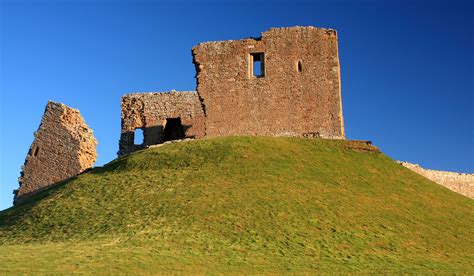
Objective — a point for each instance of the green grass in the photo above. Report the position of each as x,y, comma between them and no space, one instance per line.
244,205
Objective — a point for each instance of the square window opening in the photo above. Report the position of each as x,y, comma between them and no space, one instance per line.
138,138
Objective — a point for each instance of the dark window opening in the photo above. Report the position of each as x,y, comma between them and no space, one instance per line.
258,64
138,138
35,153
174,129
300,66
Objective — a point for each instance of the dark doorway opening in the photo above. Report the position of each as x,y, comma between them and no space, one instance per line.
174,129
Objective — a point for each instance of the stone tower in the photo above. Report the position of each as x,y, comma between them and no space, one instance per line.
287,82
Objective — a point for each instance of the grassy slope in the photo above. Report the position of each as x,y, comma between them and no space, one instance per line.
242,204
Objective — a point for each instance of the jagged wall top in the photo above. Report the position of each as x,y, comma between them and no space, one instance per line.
63,147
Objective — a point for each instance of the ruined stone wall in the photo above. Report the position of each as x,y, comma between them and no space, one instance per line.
150,111
461,183
298,94
63,147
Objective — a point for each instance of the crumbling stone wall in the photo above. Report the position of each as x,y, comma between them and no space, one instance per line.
151,113
64,146
461,183
299,92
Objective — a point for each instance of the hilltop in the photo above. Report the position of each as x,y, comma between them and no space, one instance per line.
242,204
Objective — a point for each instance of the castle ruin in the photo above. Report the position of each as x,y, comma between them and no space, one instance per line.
287,82
284,83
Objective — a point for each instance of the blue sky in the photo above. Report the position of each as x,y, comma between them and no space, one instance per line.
407,67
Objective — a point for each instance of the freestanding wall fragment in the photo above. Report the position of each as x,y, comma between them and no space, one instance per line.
64,146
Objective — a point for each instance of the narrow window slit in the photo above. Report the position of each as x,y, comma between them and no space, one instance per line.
258,64
300,66
138,138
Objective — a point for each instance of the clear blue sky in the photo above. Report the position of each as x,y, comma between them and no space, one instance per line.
407,67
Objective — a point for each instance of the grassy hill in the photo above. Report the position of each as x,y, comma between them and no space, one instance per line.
242,204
